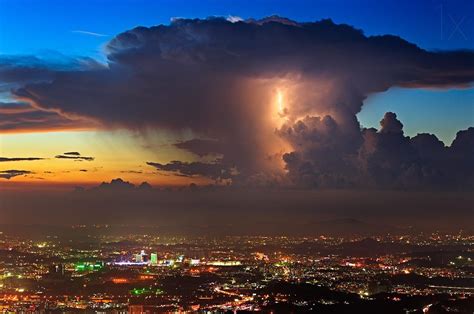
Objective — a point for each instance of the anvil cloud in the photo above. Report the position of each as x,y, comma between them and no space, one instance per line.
219,80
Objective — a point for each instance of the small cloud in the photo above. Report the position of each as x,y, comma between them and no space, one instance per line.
73,153
131,171
7,159
74,156
8,174
90,33
175,19
234,19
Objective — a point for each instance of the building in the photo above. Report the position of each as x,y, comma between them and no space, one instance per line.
154,259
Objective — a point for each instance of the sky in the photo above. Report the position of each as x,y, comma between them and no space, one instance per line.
215,93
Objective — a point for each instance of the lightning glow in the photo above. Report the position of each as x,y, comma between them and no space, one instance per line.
280,101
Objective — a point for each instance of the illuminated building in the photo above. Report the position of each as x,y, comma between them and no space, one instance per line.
57,269
225,263
154,259
87,266
194,262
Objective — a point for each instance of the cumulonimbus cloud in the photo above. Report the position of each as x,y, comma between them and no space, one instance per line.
220,79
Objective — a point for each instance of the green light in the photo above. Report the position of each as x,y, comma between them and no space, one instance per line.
137,291
88,266
142,291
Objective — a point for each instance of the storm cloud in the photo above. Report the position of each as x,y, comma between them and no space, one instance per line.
22,117
215,170
221,80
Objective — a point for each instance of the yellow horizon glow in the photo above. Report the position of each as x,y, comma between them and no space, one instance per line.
117,154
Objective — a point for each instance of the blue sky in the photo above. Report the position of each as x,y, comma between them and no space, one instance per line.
38,27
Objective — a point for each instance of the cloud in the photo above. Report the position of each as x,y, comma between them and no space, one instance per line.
117,185
8,159
325,157
16,70
8,174
234,19
189,75
216,171
390,124
22,117
15,108
323,152
201,147
90,33
131,171
74,156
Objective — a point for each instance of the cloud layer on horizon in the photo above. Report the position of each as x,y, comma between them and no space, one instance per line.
219,80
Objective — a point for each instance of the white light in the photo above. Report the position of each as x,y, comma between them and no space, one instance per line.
280,101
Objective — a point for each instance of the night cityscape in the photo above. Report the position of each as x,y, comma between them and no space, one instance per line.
237,156
105,268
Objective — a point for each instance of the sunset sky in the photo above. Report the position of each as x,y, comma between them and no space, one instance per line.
211,92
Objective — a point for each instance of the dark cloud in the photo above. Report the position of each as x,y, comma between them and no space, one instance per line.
74,156
8,174
390,124
15,107
116,185
198,57
323,151
7,159
379,159
216,171
131,171
391,159
220,79
201,147
22,117
16,70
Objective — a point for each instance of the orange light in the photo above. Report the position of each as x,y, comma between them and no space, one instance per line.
145,277
119,280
